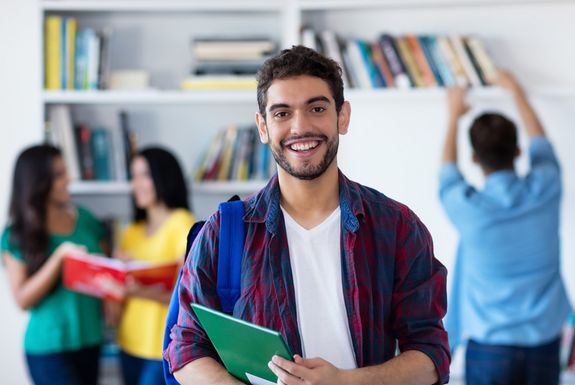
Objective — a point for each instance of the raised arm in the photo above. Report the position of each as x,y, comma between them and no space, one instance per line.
528,115
456,107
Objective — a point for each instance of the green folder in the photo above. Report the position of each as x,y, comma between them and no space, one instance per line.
245,348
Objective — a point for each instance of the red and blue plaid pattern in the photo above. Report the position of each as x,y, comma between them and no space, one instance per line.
394,288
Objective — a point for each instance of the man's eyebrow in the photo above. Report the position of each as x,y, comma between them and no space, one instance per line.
309,101
318,99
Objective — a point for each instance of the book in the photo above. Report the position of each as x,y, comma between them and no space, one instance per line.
214,82
101,153
459,48
52,52
91,274
396,65
382,65
408,57
69,58
421,61
452,60
244,348
332,49
60,121
484,61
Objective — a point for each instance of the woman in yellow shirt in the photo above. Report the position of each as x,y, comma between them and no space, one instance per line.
161,223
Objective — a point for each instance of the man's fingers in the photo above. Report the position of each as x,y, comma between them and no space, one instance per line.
284,377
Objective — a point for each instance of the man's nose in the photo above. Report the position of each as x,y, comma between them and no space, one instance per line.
300,123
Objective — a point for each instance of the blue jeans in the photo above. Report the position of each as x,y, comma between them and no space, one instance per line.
78,367
140,371
512,365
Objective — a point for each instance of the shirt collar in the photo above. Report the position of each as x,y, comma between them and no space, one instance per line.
264,206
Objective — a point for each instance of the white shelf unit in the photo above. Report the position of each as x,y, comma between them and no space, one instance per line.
394,146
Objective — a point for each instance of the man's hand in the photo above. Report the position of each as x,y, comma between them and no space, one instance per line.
506,80
456,104
306,371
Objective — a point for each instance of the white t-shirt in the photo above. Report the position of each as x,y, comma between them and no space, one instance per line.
315,258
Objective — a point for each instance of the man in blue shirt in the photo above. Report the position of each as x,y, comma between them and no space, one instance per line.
508,299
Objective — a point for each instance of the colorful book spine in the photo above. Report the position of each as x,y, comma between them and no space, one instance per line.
424,44
396,65
382,65
465,61
420,60
70,58
408,58
441,63
452,59
53,52
483,59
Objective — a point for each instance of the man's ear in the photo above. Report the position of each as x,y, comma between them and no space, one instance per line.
474,158
343,118
262,129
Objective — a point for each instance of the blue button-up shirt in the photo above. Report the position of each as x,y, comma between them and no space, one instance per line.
507,287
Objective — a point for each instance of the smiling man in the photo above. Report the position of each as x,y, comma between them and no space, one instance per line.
344,273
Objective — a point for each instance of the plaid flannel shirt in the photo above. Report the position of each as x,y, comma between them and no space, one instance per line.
394,288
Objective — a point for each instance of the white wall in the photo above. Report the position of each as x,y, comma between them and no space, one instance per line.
21,126
393,145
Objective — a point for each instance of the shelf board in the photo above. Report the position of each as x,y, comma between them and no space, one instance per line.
322,5
482,93
99,187
249,96
123,187
150,97
167,6
228,188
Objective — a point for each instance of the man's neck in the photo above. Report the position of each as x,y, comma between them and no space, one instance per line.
309,202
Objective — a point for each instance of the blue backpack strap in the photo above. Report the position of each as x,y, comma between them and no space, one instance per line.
230,253
231,220
174,307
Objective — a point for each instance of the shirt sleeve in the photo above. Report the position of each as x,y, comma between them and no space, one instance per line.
544,176
189,341
419,298
7,246
455,193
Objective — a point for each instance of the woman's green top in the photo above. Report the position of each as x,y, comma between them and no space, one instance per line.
64,320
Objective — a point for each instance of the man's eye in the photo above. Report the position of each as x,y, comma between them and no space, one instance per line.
281,114
318,109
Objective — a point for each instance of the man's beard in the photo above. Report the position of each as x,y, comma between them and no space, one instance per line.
307,171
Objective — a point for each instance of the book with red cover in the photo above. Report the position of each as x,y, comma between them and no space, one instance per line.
94,275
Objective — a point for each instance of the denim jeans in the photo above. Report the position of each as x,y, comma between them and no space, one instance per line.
141,371
78,367
512,365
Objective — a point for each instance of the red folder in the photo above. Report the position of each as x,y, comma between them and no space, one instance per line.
92,274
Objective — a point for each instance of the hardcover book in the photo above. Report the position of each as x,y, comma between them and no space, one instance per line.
104,277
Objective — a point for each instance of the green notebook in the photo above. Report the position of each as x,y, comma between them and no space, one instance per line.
245,348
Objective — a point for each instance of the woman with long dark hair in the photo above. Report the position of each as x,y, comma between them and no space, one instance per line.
161,223
64,332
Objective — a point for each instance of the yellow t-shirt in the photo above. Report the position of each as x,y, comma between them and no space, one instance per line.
141,330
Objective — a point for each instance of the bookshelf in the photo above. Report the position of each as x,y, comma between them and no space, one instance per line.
389,127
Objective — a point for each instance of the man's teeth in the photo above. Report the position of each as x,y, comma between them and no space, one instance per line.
303,146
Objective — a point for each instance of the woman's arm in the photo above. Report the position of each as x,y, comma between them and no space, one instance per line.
29,290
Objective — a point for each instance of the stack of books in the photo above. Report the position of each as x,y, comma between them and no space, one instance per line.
236,154
91,153
227,62
75,59
407,61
